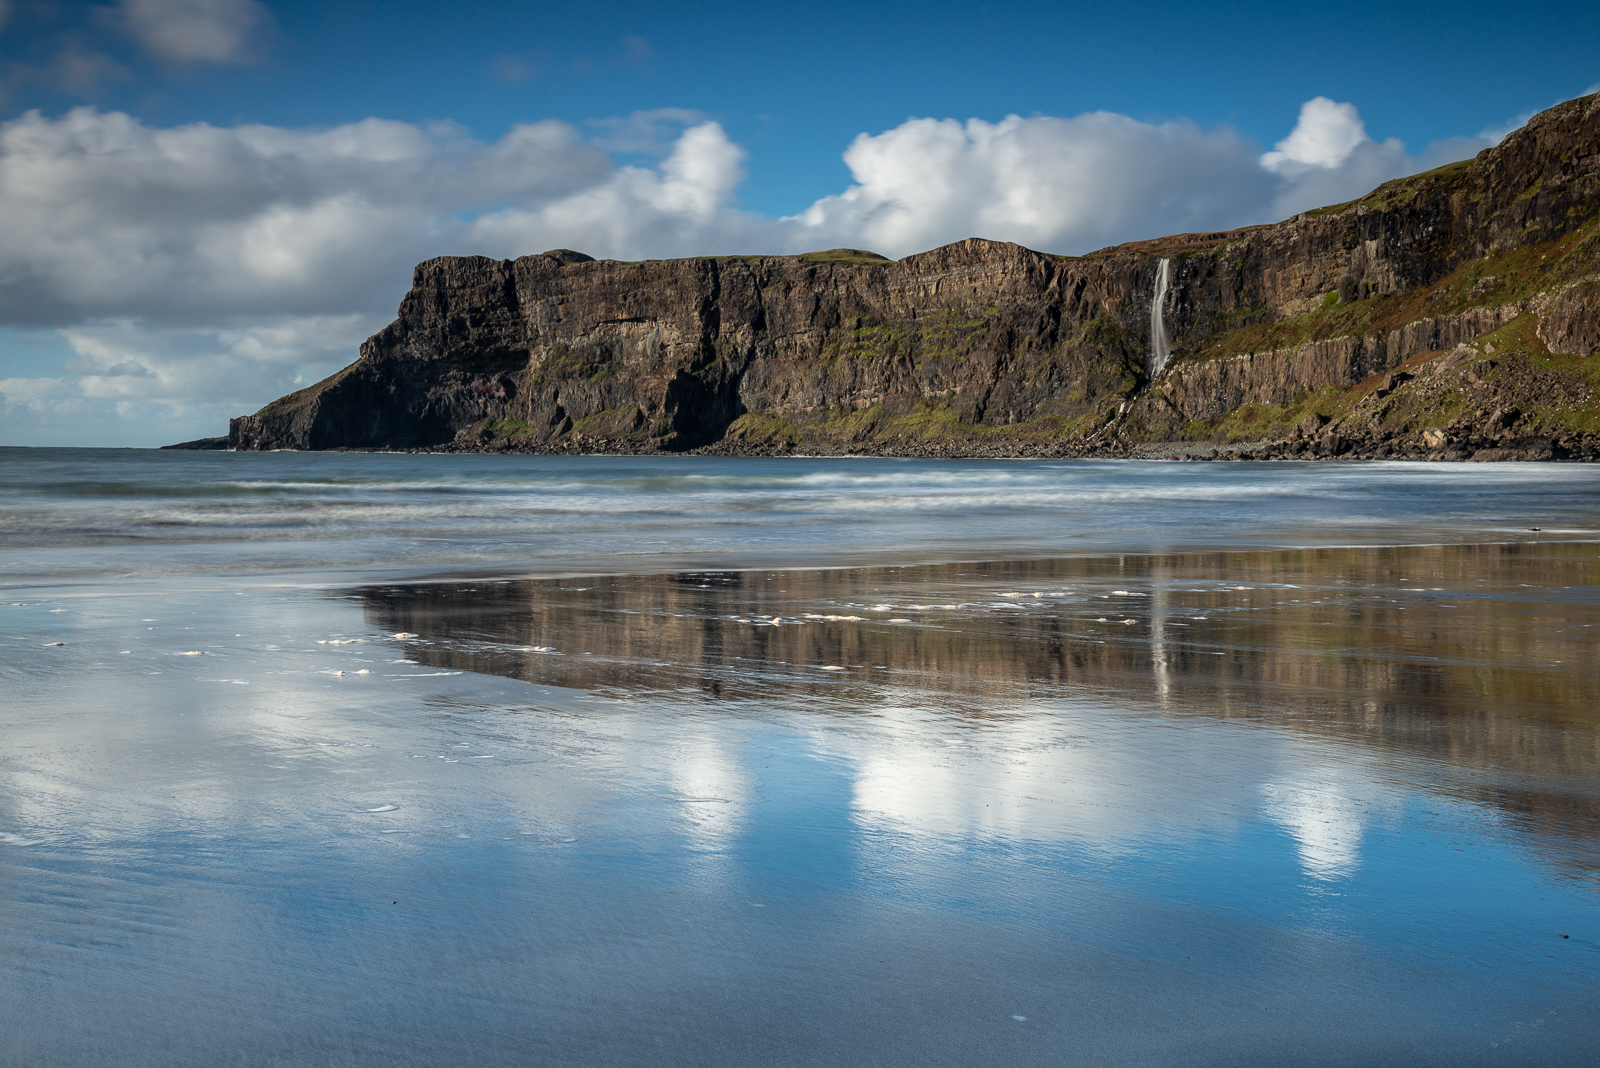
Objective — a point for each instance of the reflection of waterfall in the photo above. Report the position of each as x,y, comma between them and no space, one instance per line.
1159,350
1158,637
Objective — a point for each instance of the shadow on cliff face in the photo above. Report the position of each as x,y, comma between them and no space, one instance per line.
701,404
1434,652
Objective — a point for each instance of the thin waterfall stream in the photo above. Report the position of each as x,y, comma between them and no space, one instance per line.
1159,348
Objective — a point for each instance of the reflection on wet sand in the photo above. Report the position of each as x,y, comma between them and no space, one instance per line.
1478,656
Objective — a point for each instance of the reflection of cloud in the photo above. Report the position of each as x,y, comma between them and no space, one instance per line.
1326,823
709,782
1046,773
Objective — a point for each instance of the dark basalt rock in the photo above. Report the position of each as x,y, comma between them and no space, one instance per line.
1351,330
201,443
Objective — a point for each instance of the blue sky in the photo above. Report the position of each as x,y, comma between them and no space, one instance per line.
206,203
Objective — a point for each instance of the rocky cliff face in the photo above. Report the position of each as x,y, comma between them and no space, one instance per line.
1280,333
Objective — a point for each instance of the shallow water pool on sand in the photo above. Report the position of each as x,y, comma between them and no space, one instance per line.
1211,804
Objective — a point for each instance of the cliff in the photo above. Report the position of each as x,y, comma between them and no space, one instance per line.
1451,314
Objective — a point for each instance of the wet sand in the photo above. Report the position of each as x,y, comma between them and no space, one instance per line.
1259,805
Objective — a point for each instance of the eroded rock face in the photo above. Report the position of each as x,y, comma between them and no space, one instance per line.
1211,389
1569,321
975,346
665,355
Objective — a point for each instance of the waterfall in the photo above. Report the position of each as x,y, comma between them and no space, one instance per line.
1159,350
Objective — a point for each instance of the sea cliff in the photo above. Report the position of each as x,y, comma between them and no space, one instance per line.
1452,314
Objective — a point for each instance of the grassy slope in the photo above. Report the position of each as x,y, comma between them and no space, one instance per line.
1515,277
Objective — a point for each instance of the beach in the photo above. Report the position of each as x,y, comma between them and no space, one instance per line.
422,759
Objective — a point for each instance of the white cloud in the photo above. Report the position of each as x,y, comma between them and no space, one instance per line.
1328,158
193,31
188,260
683,207
1063,184
101,216
1327,133
128,383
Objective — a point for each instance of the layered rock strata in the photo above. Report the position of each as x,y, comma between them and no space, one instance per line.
988,348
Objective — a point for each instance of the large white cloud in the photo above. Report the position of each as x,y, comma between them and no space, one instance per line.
1328,158
101,216
1062,184
179,262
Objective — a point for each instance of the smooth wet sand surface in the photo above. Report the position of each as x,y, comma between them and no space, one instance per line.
1293,805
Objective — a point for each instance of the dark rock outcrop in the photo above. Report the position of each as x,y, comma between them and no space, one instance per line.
988,348
219,444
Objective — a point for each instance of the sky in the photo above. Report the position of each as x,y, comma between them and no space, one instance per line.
205,204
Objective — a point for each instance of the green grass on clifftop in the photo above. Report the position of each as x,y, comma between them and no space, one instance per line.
845,255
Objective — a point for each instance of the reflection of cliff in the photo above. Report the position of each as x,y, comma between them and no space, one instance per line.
1440,651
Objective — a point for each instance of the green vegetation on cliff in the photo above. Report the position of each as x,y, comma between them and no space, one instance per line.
1450,313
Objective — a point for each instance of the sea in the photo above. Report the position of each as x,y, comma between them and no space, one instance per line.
338,759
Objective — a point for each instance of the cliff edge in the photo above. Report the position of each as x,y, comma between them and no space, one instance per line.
1451,314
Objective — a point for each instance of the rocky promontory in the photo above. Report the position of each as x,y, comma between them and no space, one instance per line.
1453,315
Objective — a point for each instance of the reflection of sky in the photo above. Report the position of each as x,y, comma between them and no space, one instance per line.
190,818
1325,822
1087,777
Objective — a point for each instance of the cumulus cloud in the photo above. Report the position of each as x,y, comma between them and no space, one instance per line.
193,31
128,382
682,207
186,263
1328,158
103,217
1074,183
1324,137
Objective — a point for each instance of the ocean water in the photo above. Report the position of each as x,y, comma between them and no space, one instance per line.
418,760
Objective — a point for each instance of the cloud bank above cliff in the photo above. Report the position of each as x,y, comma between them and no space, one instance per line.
192,269
104,217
